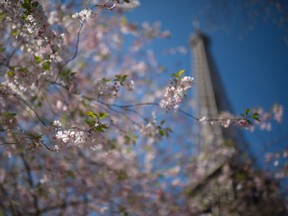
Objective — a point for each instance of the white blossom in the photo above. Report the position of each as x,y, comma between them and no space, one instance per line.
175,93
83,15
57,123
56,148
202,119
129,85
71,137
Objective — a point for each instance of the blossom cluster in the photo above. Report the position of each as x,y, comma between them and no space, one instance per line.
276,156
226,119
109,89
278,111
106,88
87,14
267,117
252,118
155,130
279,162
175,93
70,137
150,129
153,31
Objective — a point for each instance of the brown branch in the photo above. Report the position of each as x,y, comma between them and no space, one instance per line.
31,183
63,205
75,53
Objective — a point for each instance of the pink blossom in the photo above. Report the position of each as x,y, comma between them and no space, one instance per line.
278,112
175,93
226,123
243,123
110,5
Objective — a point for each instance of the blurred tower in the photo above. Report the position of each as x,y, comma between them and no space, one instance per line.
215,142
225,178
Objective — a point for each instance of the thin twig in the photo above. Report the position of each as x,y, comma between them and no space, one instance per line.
147,104
188,114
12,54
14,143
75,53
129,105
34,111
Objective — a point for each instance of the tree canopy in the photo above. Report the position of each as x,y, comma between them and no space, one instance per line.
84,110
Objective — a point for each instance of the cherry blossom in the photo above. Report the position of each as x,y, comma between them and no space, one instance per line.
83,15
77,136
278,112
175,93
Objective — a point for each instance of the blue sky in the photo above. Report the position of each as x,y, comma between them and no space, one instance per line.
253,63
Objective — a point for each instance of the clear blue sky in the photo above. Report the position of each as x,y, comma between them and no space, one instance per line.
253,64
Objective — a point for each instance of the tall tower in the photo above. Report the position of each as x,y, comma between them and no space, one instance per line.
215,142
227,185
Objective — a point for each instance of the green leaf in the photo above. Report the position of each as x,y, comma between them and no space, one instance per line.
35,4
36,137
163,133
104,126
90,122
9,114
122,175
127,1
125,21
240,176
46,65
131,139
38,59
106,80
103,115
92,114
15,33
11,73
2,49
120,78
249,122
247,111
101,127
2,16
255,115
179,74
189,192
24,70
67,74
25,5
123,211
